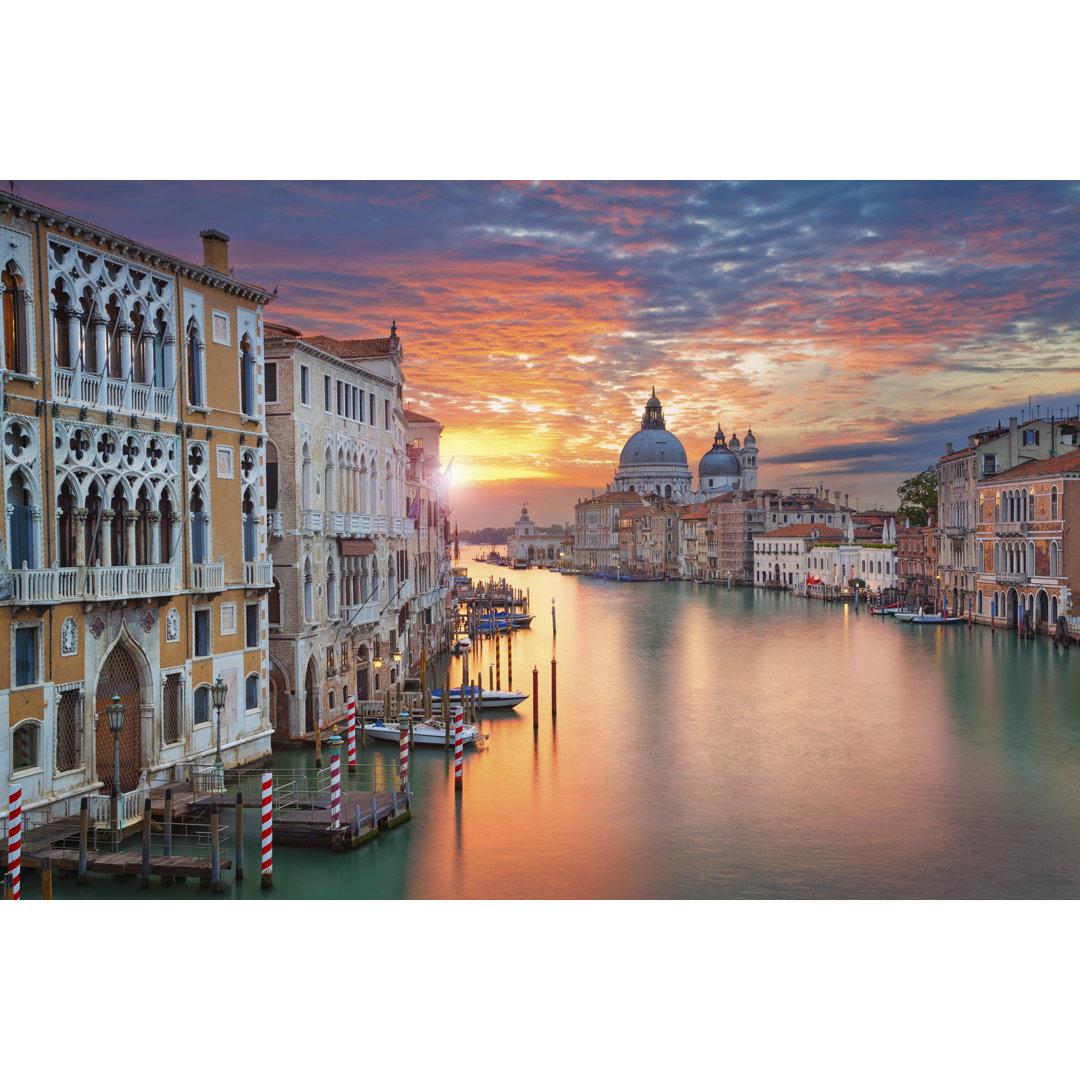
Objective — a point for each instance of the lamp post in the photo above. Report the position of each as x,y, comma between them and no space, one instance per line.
218,693
115,713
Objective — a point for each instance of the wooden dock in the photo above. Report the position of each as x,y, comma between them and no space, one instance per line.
124,863
308,825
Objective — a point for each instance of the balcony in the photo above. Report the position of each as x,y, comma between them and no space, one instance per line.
362,525
360,614
334,523
423,534
311,521
1011,579
58,585
1012,528
207,577
276,525
380,525
259,575
120,395
406,592
955,532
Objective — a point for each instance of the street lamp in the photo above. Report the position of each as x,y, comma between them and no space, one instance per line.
115,713
218,692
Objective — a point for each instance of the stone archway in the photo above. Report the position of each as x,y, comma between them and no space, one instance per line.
279,699
120,674
311,696
1011,605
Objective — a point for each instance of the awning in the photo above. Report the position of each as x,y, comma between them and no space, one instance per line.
357,547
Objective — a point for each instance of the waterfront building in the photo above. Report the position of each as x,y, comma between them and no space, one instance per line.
596,530
1026,548
530,546
988,453
359,507
782,556
915,548
135,548
693,552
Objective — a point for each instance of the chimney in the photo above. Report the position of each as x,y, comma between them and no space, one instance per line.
215,247
948,449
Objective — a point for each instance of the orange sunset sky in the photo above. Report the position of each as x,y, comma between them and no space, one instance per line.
856,327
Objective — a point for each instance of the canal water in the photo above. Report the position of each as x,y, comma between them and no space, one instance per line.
725,744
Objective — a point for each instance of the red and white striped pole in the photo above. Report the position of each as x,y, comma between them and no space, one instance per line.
352,733
458,744
403,749
14,837
335,791
267,830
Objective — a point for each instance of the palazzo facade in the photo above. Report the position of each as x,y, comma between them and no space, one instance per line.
134,533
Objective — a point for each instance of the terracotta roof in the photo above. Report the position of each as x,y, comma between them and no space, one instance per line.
694,514
615,497
1043,467
824,531
416,418
353,348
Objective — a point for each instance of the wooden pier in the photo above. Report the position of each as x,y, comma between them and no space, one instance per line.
125,863
363,816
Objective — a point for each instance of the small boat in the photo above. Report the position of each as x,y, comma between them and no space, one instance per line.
888,609
490,699
463,644
919,617
517,621
426,732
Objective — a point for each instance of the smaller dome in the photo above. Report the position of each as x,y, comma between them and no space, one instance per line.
749,440
734,444
719,461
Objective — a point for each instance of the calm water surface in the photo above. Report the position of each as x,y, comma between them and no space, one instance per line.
716,744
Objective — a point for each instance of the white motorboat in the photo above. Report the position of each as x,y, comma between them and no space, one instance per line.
426,733
489,699
919,617
463,644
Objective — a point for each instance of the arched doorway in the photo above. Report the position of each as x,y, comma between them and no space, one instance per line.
119,675
1011,602
311,699
1042,609
279,698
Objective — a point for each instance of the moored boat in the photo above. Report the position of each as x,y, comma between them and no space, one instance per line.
426,733
490,699
463,644
919,617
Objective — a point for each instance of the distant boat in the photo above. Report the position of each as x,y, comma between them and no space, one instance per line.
426,733
517,620
919,617
490,699
463,644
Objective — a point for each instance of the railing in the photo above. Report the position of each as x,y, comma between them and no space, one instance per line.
208,577
311,521
129,806
955,532
379,525
277,527
333,522
423,534
59,584
399,526
406,591
1011,579
107,392
259,574
360,614
364,525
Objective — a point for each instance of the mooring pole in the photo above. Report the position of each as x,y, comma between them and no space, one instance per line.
536,697
145,882
46,878
509,658
215,850
553,689
84,829
267,831
238,844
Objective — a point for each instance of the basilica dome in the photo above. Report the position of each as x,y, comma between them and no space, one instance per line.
653,460
652,446
719,461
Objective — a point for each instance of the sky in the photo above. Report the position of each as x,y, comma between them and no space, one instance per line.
855,327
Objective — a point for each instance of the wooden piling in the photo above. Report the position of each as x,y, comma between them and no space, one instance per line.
318,742
46,878
215,850
553,688
84,829
536,697
114,818
9,887
509,655
444,704
479,694
168,821
386,705
238,845
498,664
144,881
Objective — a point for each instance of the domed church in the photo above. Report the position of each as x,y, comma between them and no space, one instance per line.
653,461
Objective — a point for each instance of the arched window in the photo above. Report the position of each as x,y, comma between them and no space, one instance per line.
194,364
201,701
309,593
112,338
328,480
247,506
16,350
305,477
21,546
330,699
1031,505
26,746
1053,558
247,377
331,588
63,315
271,477
251,693
1053,504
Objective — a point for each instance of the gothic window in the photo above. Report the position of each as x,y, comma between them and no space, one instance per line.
14,328
26,746
62,317
247,377
1053,504
21,546
194,364
201,701
251,693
